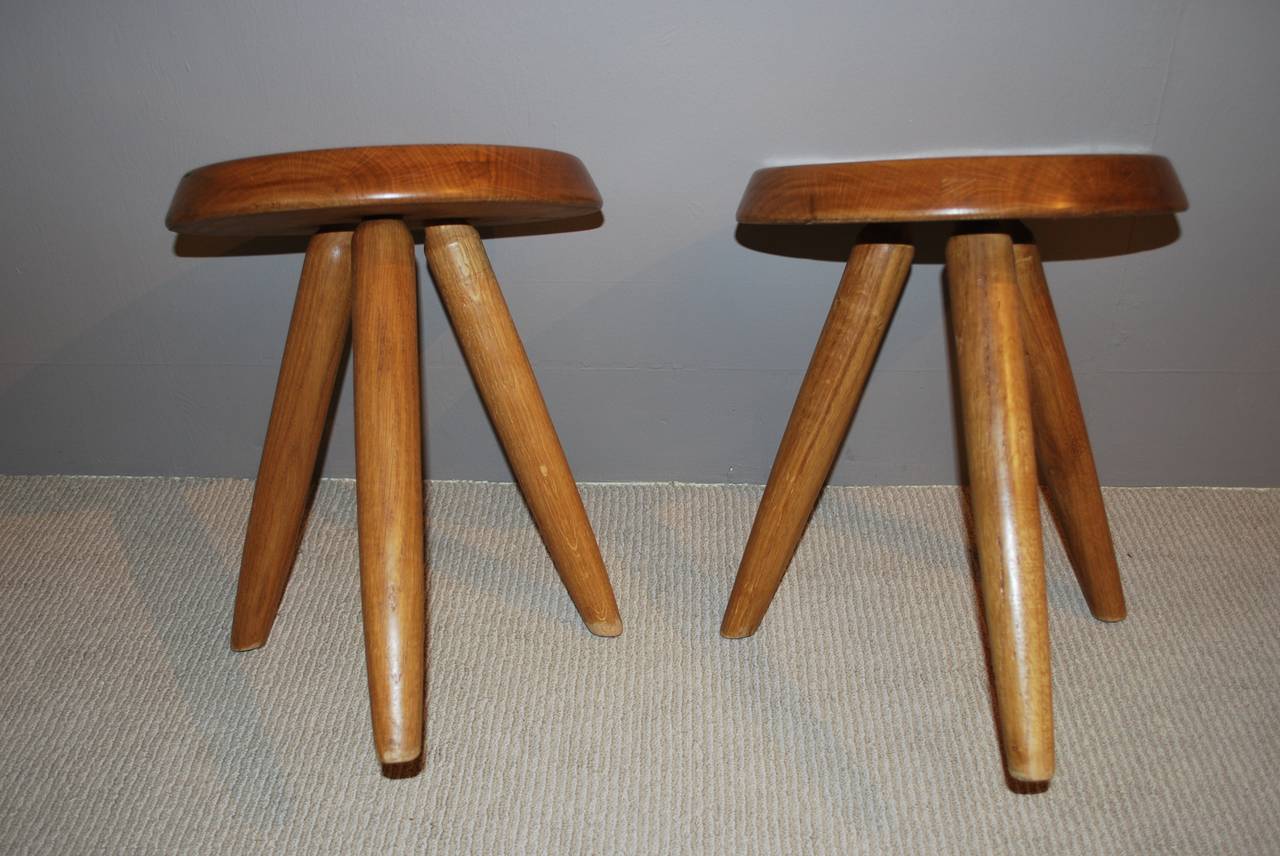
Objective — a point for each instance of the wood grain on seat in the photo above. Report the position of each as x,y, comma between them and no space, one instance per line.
300,192
963,188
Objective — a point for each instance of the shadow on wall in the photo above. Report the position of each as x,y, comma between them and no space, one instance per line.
216,246
202,369
183,365
1059,240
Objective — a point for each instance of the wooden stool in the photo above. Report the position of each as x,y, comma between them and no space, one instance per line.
358,205
1019,401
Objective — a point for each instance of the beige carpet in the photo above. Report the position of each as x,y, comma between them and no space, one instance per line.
857,720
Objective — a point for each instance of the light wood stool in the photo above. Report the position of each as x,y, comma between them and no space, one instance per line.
359,205
1019,403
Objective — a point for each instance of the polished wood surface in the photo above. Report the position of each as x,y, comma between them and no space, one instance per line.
963,188
1063,454
996,410
308,372
389,483
869,290
300,192
506,382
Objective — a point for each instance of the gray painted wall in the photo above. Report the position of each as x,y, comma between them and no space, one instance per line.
666,348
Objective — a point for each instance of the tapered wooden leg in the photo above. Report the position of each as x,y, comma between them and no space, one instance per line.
998,438
868,292
312,354
1063,455
389,483
510,392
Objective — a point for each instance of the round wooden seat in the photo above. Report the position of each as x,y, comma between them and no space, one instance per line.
300,192
963,188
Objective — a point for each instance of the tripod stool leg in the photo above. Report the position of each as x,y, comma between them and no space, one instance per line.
1063,455
869,290
510,392
389,483
995,402
308,373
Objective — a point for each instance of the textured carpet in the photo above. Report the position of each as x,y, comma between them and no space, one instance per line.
857,720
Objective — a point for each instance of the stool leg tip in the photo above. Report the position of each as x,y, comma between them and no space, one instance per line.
737,630
397,756
1032,773
246,642
607,627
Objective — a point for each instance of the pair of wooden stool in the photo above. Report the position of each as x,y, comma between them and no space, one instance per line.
1019,402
